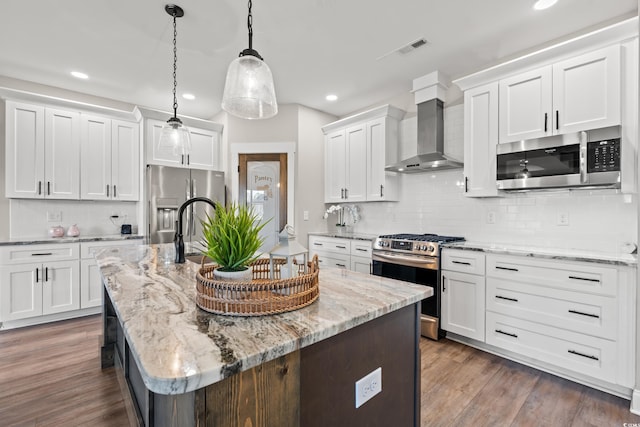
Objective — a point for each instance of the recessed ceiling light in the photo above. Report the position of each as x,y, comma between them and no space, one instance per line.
189,96
79,75
543,4
331,97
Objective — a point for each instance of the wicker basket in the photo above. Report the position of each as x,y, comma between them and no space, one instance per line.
262,295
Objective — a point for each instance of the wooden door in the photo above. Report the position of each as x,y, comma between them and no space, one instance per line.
263,185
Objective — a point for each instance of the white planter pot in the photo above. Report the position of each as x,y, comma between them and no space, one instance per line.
234,276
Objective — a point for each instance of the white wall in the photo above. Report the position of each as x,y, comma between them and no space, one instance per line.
29,217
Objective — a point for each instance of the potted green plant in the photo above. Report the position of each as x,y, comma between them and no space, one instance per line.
232,239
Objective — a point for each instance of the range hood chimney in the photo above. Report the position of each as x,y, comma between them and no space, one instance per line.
428,154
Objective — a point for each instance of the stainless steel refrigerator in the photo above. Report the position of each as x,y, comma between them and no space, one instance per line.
168,188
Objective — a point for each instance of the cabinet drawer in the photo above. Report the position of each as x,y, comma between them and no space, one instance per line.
21,254
328,259
573,276
328,244
87,248
361,248
463,261
586,355
579,312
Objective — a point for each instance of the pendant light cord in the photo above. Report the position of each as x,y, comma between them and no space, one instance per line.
250,25
175,67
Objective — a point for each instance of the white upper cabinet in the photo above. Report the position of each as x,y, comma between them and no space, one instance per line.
357,149
586,91
356,185
525,105
110,159
335,167
42,152
577,94
480,137
206,150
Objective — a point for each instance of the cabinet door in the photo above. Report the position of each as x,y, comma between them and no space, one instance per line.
24,150
62,154
20,292
335,164
586,91
205,149
154,157
525,106
90,284
125,165
362,265
61,287
95,158
356,186
463,304
480,138
376,161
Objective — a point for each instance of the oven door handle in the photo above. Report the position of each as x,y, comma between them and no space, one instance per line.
430,264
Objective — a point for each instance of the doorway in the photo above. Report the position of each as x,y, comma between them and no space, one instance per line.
263,186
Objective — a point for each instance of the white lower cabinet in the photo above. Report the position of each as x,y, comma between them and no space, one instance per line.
575,316
47,282
462,293
90,278
47,286
350,254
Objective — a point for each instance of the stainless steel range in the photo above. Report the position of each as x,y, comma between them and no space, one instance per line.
414,258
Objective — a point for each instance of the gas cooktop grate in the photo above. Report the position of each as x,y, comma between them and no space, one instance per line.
422,237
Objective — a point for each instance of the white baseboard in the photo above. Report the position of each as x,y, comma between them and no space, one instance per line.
635,402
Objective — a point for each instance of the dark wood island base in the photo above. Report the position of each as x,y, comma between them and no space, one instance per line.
313,386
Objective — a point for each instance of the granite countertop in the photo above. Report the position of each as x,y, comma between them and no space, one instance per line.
180,348
624,259
47,240
344,235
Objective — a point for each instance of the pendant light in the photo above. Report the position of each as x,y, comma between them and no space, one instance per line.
174,138
248,91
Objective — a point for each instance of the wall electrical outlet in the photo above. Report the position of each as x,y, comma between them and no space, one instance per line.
368,386
491,217
563,218
305,215
54,216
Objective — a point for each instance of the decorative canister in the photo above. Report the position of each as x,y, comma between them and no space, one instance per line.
73,231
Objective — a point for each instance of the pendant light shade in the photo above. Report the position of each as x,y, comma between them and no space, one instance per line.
174,138
249,92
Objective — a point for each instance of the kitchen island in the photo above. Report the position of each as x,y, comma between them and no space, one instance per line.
184,366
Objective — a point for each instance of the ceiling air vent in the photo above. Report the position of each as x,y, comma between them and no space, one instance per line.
403,50
412,46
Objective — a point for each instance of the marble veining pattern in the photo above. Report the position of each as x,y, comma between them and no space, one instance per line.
181,348
622,259
54,240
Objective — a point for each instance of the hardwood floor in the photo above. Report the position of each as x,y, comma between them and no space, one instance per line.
463,386
50,376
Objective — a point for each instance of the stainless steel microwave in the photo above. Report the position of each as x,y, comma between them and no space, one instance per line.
582,159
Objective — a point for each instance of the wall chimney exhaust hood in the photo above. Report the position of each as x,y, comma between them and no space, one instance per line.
428,153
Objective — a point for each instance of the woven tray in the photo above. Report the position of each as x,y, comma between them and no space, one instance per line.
262,295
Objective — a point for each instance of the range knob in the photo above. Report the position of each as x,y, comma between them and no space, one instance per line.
431,249
423,248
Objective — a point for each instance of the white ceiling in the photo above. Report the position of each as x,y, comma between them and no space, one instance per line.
314,47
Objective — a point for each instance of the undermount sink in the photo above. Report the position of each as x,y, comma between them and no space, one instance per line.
197,258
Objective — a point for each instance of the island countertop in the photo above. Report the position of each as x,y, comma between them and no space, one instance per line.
180,348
